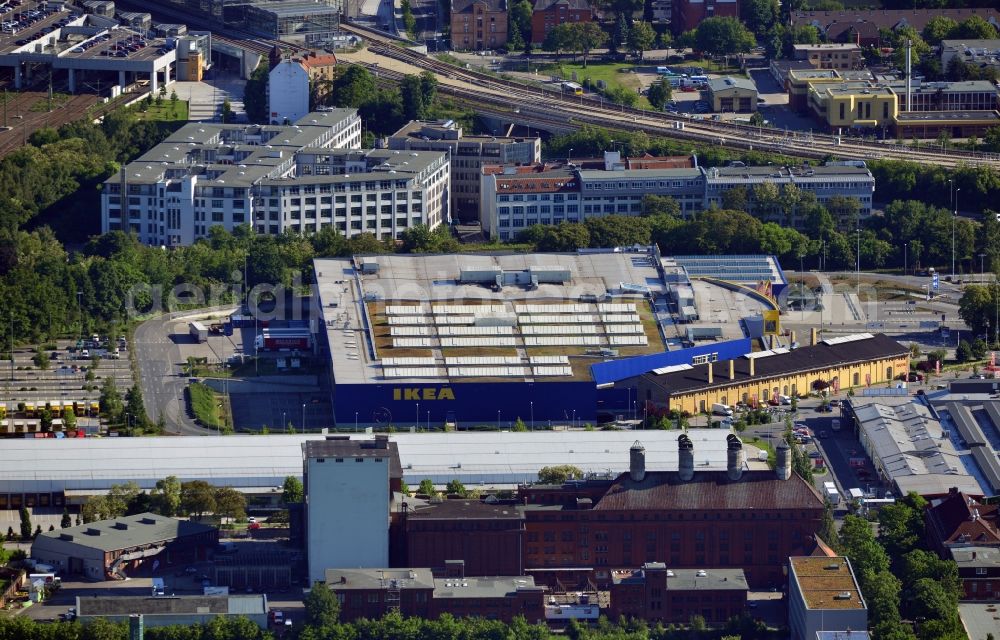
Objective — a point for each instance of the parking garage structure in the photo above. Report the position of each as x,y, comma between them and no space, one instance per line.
36,40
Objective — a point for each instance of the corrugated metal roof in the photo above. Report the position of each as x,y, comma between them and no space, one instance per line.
709,491
264,461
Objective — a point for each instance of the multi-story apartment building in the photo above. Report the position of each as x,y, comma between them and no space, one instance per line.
477,25
300,177
548,14
468,155
514,198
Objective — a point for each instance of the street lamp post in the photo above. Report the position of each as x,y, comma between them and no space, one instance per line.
303,417
569,155
284,422
858,257
906,246
953,216
355,422
418,415
498,419
982,271
532,402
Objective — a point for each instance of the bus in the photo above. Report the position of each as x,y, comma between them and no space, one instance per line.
572,87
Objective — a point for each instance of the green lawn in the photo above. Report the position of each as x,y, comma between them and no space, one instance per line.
58,100
166,111
614,74
205,405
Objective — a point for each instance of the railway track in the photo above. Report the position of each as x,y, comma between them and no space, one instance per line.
515,97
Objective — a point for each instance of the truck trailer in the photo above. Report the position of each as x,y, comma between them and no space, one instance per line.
198,331
284,339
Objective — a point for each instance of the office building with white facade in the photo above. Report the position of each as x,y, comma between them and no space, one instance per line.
468,155
301,177
516,197
349,487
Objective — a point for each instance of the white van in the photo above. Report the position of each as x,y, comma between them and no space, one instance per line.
721,410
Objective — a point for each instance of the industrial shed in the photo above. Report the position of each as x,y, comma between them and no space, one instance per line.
106,549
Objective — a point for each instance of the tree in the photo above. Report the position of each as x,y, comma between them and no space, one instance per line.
166,497
25,524
255,94
724,36
827,528
321,606
455,487
964,351
617,230
409,21
292,491
559,474
976,28
589,36
45,420
135,409
560,38
519,24
227,111
655,206
353,87
41,359
66,522
111,400
760,16
426,487
197,497
417,93
641,38
121,498
69,420
901,525
939,28
659,94
519,425
230,503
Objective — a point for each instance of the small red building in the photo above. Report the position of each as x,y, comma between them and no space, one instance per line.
371,593
979,571
657,594
549,13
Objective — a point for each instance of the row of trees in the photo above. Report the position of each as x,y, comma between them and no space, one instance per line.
170,497
322,613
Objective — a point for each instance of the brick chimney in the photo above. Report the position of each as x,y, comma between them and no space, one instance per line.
685,455
711,373
813,336
753,371
732,369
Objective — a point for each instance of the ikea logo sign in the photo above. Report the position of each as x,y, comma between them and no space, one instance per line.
422,393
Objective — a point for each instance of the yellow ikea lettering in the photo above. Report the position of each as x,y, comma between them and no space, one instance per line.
426,393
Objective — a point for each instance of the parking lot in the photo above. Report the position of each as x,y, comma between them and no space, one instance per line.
72,375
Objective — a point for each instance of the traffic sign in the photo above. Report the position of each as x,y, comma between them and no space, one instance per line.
936,282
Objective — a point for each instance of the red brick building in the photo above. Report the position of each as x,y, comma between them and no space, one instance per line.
548,14
749,520
371,593
477,25
487,536
688,13
979,571
655,593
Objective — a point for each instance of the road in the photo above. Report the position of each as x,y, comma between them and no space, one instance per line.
160,372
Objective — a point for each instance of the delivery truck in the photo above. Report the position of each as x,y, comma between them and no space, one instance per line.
830,493
198,331
284,339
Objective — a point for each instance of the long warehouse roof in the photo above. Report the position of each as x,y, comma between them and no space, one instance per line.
245,462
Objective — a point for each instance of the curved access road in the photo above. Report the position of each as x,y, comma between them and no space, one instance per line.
161,374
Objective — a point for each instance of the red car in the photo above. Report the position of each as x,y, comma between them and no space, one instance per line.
688,89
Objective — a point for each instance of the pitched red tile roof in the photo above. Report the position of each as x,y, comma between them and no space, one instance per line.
709,491
868,22
954,518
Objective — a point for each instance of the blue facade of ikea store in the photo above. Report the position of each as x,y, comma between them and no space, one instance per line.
474,403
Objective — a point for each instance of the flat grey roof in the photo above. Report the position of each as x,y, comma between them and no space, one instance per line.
479,587
125,532
89,607
365,579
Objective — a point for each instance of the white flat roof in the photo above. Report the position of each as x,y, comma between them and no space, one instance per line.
264,461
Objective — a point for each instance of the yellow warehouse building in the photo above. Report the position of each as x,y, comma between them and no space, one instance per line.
857,360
